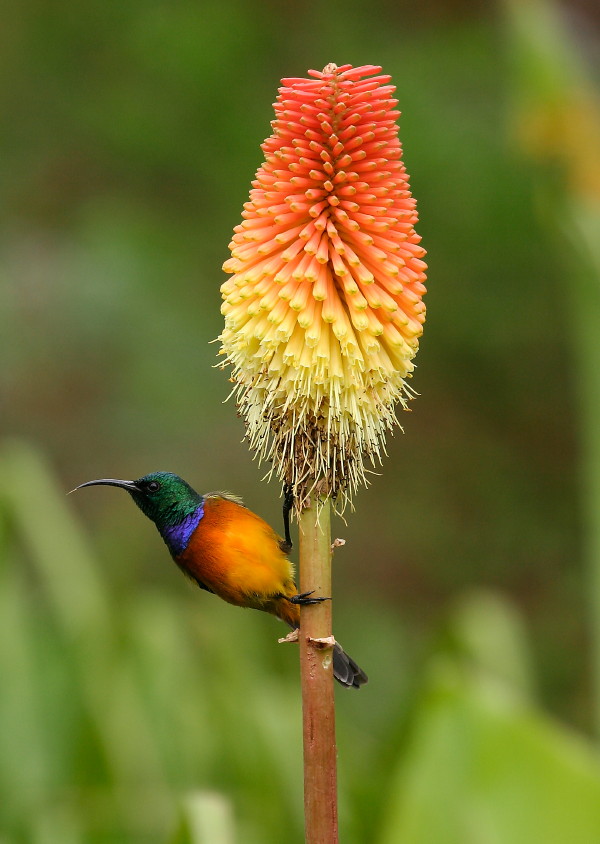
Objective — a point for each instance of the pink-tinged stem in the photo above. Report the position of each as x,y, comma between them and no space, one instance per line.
316,671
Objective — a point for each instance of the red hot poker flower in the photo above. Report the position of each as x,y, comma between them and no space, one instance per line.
323,310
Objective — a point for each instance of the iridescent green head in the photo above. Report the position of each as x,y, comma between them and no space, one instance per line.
164,497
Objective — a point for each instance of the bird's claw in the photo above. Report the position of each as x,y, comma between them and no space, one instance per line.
304,599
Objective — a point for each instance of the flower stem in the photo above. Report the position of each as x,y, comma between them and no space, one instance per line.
316,671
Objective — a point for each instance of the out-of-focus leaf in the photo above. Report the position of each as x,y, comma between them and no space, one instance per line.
481,766
41,517
206,818
488,630
556,114
58,824
21,735
71,579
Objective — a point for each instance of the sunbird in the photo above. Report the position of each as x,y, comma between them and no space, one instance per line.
229,550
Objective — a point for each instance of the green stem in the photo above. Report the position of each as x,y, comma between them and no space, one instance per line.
316,671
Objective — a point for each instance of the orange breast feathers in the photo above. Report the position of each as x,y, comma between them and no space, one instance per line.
238,556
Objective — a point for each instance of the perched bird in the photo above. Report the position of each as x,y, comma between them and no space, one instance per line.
229,551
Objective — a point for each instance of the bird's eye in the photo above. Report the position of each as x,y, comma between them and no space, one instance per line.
153,486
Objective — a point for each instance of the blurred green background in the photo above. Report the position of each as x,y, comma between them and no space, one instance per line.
134,708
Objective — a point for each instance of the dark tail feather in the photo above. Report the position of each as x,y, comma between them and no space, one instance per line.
345,670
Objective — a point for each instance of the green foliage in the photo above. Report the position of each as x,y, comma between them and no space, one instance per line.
134,708
480,762
134,718
557,119
483,766
119,706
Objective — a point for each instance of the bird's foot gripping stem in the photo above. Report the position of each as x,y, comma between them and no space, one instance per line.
304,599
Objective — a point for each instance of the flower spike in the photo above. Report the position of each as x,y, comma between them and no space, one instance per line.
323,308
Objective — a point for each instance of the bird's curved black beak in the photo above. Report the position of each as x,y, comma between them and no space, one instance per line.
130,486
